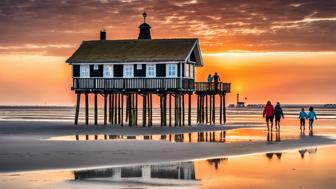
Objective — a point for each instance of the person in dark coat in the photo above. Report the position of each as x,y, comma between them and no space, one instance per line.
278,113
216,79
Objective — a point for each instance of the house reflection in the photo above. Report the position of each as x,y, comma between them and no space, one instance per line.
212,136
309,151
142,173
276,154
216,162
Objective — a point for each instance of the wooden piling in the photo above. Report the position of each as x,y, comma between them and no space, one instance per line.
122,110
189,109
221,109
86,108
144,110
224,106
105,108
170,110
183,109
95,109
77,108
214,109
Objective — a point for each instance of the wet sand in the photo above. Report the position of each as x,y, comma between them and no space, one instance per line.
24,146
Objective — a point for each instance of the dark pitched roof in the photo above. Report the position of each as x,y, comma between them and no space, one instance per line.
155,50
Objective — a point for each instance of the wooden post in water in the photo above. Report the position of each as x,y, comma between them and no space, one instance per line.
95,109
176,111
214,108
170,110
105,108
136,108
206,109
144,110
150,121
112,107
122,109
116,108
119,113
77,107
224,106
189,109
210,109
86,108
183,109
221,109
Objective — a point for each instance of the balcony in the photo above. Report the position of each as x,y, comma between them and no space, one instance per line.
133,84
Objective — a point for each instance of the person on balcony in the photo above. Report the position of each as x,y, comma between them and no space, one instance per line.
209,80
216,80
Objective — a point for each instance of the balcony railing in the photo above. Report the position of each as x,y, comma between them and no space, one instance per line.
133,83
148,84
208,87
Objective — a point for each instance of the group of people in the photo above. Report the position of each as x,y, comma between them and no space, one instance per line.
215,78
276,113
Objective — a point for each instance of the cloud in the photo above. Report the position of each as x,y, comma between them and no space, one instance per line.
221,25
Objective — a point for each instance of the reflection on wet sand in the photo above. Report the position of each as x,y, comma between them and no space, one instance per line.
309,151
270,137
149,174
214,136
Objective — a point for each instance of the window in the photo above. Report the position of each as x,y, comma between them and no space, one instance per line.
84,71
96,67
186,70
171,70
151,70
108,70
128,70
139,67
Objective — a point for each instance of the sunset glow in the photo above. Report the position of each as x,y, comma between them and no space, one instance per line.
271,50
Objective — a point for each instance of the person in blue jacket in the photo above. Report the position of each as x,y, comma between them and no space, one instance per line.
311,118
303,116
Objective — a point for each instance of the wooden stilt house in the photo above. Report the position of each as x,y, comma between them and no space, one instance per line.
125,69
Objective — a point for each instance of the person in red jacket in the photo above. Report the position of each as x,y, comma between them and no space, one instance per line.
269,113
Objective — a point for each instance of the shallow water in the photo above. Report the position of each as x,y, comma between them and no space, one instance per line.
304,168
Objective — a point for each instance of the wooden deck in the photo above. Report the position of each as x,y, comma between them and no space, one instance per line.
148,85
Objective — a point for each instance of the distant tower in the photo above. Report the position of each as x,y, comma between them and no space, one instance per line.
144,29
240,104
102,34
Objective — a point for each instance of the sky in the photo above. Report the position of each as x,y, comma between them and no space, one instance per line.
282,50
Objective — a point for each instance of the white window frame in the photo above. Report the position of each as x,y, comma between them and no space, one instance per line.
147,70
131,70
139,67
169,70
191,69
84,71
108,71
96,67
186,70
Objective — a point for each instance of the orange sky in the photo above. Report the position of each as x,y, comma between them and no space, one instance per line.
288,77
282,51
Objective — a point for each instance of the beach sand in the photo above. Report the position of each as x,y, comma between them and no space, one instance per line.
24,146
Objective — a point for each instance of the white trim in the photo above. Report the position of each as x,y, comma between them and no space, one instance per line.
199,53
176,68
95,66
132,71
112,69
147,71
84,69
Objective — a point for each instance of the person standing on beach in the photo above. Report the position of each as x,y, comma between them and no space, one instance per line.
303,116
216,80
278,113
269,113
209,80
311,117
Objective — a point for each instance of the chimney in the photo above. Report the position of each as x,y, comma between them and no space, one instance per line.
102,34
